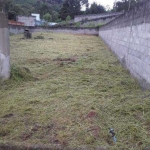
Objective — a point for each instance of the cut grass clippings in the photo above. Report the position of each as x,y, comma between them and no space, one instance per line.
69,91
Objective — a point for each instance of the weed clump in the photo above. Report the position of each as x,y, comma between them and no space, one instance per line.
20,73
39,37
4,132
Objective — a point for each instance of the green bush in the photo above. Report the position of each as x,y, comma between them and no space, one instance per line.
78,24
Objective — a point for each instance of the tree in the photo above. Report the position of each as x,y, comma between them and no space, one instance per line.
11,9
71,8
14,8
58,20
124,5
47,17
54,16
44,9
95,9
1,5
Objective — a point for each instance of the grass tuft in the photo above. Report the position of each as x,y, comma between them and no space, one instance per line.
20,73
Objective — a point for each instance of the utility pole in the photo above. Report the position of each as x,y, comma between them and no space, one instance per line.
129,5
4,47
1,5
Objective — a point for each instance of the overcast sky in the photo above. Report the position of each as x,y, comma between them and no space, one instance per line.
103,2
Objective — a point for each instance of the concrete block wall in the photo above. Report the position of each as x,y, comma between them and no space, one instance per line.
96,22
128,36
16,29
70,30
4,48
94,16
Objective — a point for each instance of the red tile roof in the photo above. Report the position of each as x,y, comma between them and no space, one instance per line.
11,22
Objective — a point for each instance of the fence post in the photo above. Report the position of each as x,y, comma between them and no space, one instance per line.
4,48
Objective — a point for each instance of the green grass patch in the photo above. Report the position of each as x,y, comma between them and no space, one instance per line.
20,74
70,91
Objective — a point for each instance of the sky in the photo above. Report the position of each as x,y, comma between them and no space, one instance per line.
103,2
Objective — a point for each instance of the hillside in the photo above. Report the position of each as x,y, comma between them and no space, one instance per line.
53,2
25,7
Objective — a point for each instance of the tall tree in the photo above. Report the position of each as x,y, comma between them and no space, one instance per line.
11,9
44,9
95,9
47,17
124,5
71,8
54,16
1,5
14,8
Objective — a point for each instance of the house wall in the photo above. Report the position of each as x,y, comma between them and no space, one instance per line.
28,21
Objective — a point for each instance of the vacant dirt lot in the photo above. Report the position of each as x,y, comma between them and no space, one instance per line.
69,90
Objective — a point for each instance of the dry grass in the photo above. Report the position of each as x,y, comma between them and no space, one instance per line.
75,92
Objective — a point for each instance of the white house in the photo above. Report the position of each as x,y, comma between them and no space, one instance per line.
37,16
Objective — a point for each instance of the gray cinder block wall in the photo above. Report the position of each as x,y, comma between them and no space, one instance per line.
15,29
96,22
71,30
4,48
95,16
129,38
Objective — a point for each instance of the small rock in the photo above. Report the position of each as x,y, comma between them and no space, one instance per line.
146,148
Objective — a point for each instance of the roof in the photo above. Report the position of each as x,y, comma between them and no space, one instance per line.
12,22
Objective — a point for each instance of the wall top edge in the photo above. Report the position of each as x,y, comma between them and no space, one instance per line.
140,10
73,28
116,13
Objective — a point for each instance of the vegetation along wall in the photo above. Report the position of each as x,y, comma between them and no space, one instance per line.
128,36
